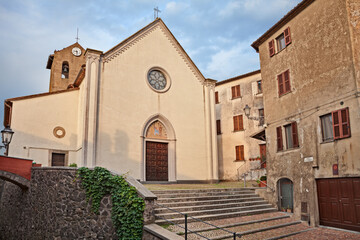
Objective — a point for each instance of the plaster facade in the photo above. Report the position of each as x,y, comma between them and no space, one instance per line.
322,60
107,116
228,139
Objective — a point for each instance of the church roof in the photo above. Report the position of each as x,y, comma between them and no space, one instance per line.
39,95
289,16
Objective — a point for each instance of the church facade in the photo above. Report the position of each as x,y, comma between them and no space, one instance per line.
141,108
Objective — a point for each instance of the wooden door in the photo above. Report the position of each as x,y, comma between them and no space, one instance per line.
58,159
156,161
263,155
339,202
286,194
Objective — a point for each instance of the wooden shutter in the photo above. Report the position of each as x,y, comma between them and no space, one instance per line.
295,134
287,36
286,79
238,93
236,123
216,97
233,92
345,122
240,121
279,139
271,48
281,84
218,127
242,158
336,124
237,152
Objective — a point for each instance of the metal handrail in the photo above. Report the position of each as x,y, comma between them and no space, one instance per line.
199,220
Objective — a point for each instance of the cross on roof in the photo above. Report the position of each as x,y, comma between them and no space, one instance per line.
156,12
77,35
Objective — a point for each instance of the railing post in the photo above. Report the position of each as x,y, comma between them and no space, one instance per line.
234,235
185,226
244,180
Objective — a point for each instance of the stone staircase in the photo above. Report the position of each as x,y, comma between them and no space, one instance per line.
237,210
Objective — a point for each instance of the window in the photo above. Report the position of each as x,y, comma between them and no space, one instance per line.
280,40
261,117
336,125
238,123
58,159
218,127
235,91
216,97
259,87
239,150
284,83
327,127
291,135
65,70
279,139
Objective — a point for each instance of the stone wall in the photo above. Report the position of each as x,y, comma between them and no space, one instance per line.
54,207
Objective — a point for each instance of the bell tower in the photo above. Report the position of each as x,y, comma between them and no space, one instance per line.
64,66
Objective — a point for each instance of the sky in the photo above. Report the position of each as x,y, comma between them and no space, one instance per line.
216,34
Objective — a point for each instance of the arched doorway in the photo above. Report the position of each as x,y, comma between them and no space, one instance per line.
158,150
285,190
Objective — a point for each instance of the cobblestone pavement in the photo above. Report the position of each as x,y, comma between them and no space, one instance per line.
313,234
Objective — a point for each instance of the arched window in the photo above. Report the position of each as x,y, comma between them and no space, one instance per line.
65,70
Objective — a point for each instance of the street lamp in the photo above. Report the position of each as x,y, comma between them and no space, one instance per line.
247,114
6,134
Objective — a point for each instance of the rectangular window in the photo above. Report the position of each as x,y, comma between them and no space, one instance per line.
291,135
218,127
341,123
284,83
259,87
327,127
279,138
58,159
239,153
235,91
280,40
261,117
238,123
216,97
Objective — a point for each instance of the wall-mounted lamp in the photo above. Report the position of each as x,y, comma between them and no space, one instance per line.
6,134
247,114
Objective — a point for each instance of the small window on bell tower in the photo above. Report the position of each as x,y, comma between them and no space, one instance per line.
65,70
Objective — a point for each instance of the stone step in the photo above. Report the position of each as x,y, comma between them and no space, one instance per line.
253,231
208,217
290,234
208,202
201,190
213,211
203,198
201,194
210,206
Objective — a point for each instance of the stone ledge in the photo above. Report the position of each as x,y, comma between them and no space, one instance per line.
15,179
161,233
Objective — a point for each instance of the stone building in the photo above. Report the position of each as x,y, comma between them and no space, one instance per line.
142,107
310,67
240,153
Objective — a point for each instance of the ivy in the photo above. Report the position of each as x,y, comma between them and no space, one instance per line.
128,207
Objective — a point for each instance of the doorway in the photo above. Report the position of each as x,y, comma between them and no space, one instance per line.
156,161
286,200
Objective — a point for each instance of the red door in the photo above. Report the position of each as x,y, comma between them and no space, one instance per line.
339,202
156,161
263,155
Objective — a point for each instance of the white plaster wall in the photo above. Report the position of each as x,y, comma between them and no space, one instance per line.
225,110
33,121
126,102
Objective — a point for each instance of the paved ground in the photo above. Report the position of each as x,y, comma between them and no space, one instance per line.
225,184
325,234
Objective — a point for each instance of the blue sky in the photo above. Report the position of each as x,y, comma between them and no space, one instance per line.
216,34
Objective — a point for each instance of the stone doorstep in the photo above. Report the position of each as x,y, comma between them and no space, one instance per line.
217,210
178,195
220,216
290,234
207,207
188,203
205,197
161,232
202,190
242,223
258,230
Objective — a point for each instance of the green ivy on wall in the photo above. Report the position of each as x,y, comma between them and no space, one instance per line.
128,207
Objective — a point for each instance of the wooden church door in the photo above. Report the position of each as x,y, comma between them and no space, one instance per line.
156,161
